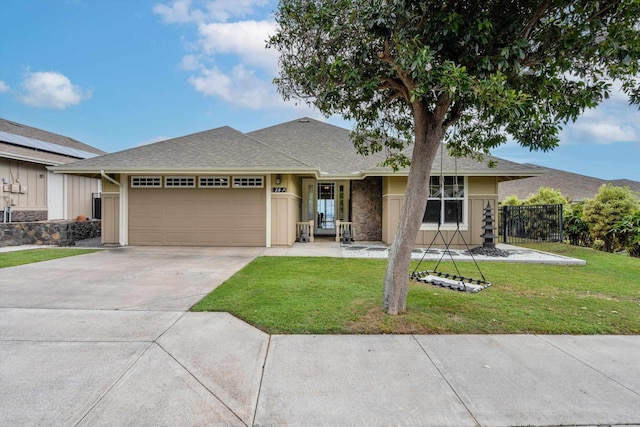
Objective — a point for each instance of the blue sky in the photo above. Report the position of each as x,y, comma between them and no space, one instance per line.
119,73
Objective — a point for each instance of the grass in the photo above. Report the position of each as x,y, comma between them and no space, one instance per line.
11,259
291,295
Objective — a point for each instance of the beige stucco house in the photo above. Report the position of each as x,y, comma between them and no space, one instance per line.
271,187
28,191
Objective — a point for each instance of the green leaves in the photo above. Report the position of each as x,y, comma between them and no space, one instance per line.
518,69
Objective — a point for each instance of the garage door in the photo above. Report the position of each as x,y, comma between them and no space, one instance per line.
197,217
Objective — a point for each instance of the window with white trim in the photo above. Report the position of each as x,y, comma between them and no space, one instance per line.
446,203
248,182
213,181
146,182
179,181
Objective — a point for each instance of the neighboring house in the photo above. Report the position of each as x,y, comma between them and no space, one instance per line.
577,188
28,190
223,187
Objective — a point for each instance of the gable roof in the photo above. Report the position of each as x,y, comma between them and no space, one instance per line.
573,186
22,142
220,149
299,146
326,146
330,148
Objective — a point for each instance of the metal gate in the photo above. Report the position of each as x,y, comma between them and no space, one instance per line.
536,223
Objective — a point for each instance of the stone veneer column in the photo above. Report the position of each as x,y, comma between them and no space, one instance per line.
366,209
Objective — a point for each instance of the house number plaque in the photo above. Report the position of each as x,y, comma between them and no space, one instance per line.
279,189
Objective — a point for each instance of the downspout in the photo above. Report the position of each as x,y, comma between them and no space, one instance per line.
108,178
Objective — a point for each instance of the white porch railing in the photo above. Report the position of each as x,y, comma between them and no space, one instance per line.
304,228
341,227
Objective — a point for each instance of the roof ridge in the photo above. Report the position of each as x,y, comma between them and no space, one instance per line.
195,133
304,119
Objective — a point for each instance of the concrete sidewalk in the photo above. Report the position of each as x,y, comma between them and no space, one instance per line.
89,367
105,339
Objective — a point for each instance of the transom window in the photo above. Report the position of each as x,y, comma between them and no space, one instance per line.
446,200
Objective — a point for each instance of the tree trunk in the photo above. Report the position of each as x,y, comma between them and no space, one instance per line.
428,135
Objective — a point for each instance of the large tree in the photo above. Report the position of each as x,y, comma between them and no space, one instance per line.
406,71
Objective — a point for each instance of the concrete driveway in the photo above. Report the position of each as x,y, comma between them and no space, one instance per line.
105,339
131,278
80,340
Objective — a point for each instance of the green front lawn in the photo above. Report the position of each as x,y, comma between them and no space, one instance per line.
10,259
341,295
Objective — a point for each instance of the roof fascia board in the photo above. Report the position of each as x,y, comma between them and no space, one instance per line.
460,173
62,169
30,159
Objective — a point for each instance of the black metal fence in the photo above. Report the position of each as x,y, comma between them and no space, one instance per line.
537,223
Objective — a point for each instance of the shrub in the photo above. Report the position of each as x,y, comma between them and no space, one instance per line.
575,228
511,201
627,231
598,244
609,206
547,196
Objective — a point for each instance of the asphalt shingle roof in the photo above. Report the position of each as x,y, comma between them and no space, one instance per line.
330,148
323,145
222,148
304,145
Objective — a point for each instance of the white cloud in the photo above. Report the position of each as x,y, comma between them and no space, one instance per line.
4,87
190,63
241,87
185,11
51,90
178,12
247,39
227,57
610,122
225,9
606,133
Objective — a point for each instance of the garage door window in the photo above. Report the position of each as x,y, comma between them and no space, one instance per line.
146,182
180,182
248,182
213,182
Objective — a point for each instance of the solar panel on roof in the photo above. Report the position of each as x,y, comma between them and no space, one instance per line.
24,141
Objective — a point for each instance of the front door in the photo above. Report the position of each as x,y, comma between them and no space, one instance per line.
325,202
325,208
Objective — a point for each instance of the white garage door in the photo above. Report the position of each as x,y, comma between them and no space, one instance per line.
197,217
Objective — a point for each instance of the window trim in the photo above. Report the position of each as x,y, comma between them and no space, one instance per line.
451,226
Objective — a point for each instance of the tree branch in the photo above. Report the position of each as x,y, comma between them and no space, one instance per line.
403,83
526,31
454,115
399,90
442,107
